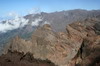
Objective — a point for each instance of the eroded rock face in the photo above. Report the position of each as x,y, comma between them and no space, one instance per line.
74,47
20,45
89,53
97,28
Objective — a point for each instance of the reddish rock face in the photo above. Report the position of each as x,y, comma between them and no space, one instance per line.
79,46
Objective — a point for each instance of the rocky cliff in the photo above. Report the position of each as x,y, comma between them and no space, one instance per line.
24,26
78,46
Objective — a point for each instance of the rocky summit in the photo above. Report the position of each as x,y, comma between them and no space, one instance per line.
78,46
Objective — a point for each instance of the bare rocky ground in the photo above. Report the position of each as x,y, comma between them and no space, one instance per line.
78,46
19,59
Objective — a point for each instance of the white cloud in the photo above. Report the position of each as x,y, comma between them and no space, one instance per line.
17,22
34,11
13,15
36,21
46,22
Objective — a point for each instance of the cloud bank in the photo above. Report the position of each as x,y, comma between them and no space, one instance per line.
14,23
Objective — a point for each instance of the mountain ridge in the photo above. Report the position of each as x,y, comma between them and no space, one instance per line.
57,20
78,46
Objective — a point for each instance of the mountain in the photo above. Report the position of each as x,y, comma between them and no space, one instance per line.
55,19
26,25
65,17
78,46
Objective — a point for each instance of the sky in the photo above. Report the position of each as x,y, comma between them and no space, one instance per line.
24,7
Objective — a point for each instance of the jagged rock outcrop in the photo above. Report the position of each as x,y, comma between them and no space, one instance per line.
48,45
88,54
75,47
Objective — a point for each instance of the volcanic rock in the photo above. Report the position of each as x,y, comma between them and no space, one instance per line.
78,46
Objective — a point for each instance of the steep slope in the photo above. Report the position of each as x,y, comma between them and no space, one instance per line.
18,26
78,46
55,19
62,18
58,20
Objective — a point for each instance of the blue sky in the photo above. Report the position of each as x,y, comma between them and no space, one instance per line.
23,6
